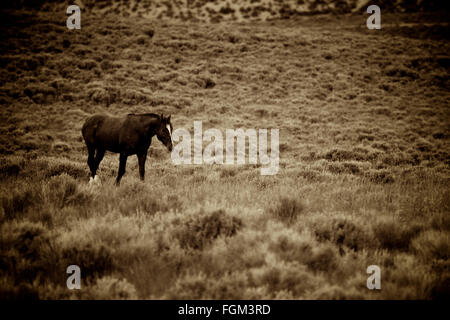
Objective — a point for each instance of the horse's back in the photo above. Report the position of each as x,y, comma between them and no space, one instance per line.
103,131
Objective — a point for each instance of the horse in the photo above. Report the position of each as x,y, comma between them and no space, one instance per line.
128,135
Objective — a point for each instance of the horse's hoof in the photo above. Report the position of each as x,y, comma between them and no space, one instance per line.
94,181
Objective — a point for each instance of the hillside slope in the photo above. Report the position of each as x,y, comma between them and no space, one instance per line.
364,158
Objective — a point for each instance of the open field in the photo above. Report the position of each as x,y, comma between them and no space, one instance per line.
364,174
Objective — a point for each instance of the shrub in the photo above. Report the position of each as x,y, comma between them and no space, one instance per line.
379,176
149,32
432,244
441,222
49,168
94,260
200,286
26,252
342,232
40,93
337,293
199,231
109,288
141,203
19,200
289,249
141,40
345,167
66,43
310,175
204,82
62,190
340,155
98,95
317,257
287,210
11,291
10,168
132,97
401,72
394,235
357,154
322,259
228,172
106,65
440,290
87,64
291,277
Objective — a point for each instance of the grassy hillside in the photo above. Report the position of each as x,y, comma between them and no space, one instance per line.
364,158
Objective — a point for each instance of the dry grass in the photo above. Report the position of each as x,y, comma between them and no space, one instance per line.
364,158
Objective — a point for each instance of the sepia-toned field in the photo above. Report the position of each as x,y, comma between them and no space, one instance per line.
364,174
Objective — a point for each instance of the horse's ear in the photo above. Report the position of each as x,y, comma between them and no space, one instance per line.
168,118
162,116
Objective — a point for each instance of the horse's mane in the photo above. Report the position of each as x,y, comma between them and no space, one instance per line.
145,114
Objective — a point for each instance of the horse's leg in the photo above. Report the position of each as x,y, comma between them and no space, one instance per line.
141,158
98,158
122,165
91,160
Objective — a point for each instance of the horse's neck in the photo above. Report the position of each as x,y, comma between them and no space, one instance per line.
150,123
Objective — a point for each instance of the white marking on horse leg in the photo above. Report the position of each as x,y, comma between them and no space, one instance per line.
96,178
91,180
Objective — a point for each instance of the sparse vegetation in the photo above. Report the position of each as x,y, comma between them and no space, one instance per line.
364,153
287,210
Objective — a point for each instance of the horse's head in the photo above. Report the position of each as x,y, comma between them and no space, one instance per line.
164,132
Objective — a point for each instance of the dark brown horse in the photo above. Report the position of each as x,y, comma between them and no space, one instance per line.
127,136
